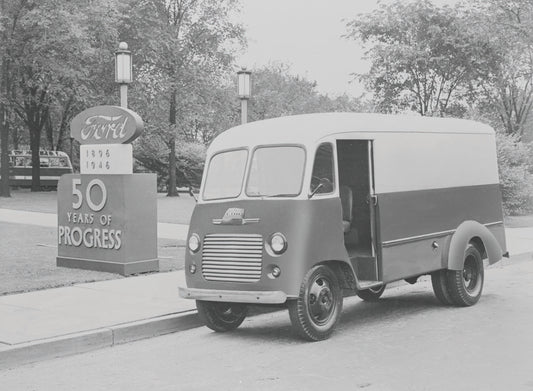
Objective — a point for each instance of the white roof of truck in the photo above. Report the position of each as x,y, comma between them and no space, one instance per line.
310,128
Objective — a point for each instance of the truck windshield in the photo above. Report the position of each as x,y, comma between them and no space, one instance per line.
276,172
225,175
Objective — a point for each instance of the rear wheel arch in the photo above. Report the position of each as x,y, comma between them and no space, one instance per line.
477,242
470,232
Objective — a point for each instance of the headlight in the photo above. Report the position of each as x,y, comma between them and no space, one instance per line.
194,243
278,243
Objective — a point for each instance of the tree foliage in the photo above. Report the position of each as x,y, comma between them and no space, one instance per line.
515,161
187,46
56,50
276,92
423,57
507,88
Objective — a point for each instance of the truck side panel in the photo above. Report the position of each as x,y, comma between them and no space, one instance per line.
411,222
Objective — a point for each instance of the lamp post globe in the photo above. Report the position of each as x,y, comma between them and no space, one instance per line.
123,71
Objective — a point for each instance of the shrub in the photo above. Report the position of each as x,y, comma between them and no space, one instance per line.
515,161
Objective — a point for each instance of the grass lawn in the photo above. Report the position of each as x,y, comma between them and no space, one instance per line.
28,260
28,253
519,221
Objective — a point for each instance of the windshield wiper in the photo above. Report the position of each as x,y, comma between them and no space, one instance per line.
279,195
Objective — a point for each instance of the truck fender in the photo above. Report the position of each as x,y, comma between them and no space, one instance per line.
345,273
470,231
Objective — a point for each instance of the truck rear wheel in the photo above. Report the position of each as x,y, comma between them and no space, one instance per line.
221,316
318,307
465,286
371,294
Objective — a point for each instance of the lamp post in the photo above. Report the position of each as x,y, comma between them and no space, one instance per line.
123,71
244,90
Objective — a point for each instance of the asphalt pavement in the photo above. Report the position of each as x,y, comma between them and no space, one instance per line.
407,341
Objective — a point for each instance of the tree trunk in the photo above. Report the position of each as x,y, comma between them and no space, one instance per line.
35,135
15,137
4,133
49,129
4,163
63,126
172,190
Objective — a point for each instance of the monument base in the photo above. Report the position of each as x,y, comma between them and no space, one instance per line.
124,268
108,223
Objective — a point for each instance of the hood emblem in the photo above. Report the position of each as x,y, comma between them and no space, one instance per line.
235,216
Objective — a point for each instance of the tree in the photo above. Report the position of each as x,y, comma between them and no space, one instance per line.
10,14
424,57
54,51
277,92
184,45
507,88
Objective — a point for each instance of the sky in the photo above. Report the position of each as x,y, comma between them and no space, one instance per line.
307,35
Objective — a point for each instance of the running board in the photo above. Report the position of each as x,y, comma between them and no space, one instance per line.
365,284
365,267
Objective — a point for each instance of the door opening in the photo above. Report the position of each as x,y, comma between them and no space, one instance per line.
356,192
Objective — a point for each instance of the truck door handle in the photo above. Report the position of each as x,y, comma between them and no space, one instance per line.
372,198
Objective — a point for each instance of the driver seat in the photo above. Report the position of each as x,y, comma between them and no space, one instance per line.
346,196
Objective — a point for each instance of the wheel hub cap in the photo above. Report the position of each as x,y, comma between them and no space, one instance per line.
321,301
471,277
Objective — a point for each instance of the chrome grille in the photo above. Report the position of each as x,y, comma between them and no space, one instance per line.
232,257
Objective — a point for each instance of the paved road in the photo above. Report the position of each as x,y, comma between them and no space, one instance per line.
407,341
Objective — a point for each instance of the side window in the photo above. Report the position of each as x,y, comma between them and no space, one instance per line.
19,161
63,162
323,173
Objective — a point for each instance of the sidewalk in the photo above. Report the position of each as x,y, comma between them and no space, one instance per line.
57,322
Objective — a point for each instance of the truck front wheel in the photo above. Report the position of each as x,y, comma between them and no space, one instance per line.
318,307
221,316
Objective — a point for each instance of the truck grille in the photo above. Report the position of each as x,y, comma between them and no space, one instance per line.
232,257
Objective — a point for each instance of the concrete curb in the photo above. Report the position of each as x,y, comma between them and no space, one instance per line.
44,349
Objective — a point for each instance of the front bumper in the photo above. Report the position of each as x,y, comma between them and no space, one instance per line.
261,297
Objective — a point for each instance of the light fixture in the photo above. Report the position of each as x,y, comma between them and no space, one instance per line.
244,87
123,64
194,243
278,243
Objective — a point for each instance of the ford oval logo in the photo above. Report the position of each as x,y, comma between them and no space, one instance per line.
106,125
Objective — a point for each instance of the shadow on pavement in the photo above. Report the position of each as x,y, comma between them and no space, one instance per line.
272,323
356,313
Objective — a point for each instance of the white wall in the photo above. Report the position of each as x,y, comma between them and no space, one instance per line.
416,161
